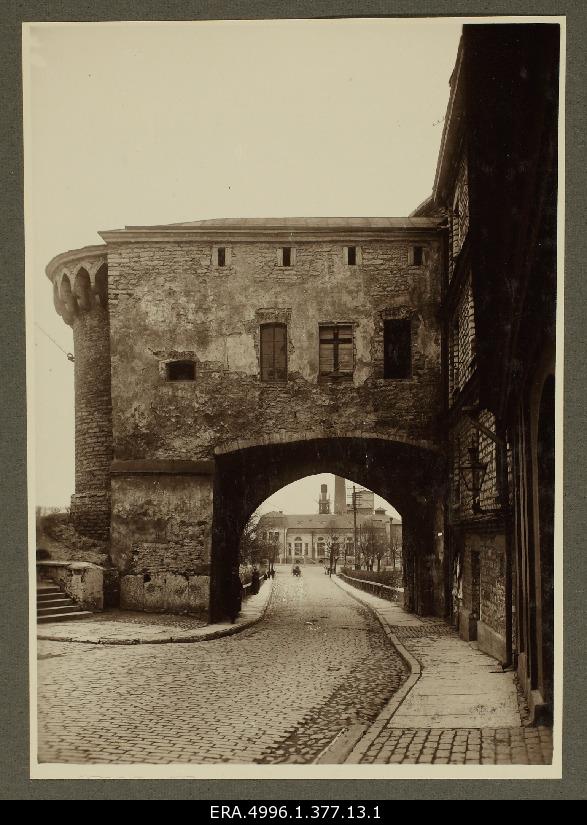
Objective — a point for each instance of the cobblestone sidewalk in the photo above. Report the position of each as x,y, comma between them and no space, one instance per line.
457,707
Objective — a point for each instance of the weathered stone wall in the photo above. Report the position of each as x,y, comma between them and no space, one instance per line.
82,581
169,301
493,582
161,528
490,628
90,505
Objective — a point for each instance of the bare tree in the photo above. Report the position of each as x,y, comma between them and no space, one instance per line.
395,546
372,544
254,544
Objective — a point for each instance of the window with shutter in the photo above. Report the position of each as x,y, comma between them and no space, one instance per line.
336,350
274,352
397,349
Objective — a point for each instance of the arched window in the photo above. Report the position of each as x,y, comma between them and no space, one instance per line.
320,546
298,545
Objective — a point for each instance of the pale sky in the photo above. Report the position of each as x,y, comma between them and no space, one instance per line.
159,123
302,496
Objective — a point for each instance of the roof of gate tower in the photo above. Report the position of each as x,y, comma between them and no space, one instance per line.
311,222
253,229
305,223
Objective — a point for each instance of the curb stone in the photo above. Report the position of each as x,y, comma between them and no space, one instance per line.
205,636
370,734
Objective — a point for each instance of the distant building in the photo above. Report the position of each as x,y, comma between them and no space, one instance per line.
314,538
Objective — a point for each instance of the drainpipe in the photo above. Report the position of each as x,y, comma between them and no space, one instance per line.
504,500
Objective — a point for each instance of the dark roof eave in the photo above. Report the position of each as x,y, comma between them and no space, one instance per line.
400,227
450,132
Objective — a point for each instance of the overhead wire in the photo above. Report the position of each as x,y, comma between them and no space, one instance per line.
68,355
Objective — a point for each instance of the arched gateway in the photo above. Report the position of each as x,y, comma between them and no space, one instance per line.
217,361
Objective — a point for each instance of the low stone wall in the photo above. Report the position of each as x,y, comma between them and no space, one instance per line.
383,591
82,581
169,592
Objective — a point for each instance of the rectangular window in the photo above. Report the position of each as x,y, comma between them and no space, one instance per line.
351,255
397,348
336,350
286,259
273,352
221,256
180,371
418,256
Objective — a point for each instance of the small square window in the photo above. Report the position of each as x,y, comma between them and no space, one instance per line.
286,256
180,371
351,255
221,256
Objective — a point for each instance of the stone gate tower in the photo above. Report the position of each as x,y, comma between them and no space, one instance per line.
217,361
80,290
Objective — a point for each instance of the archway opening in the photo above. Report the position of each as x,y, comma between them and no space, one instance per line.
324,520
406,475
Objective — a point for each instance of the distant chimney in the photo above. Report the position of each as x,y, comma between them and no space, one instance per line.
324,503
339,496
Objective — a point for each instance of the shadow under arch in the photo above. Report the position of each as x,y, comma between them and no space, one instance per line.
407,476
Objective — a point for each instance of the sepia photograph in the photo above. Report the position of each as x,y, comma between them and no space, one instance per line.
294,397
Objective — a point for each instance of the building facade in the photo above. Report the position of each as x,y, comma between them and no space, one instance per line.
328,537
218,361
497,185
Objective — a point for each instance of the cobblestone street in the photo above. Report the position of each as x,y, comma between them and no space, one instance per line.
278,692
319,678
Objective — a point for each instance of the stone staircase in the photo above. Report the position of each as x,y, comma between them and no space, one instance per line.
55,606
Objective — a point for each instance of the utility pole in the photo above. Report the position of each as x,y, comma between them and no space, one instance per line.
391,540
355,528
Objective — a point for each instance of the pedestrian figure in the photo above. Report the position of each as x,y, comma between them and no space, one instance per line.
255,581
272,572
235,594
